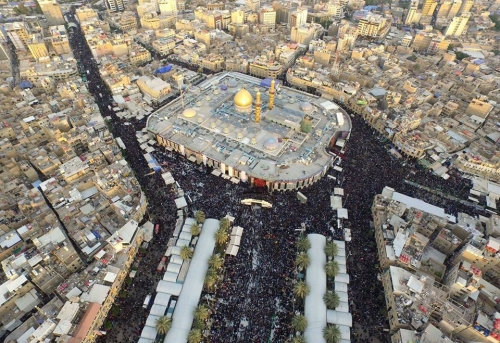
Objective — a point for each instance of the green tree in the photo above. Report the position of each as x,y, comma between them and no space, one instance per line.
210,280
215,261
331,269
460,55
331,249
303,261
331,300
496,20
221,236
301,289
194,336
163,325
201,313
200,217
299,339
186,252
195,229
299,323
303,243
224,223
331,333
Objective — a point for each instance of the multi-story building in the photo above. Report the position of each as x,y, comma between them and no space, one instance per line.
163,46
466,6
254,5
126,22
237,16
373,26
454,9
168,7
430,42
59,40
212,62
413,15
116,5
298,17
305,33
85,13
444,9
458,25
429,7
37,47
267,16
264,68
52,12
138,54
17,32
213,19
153,88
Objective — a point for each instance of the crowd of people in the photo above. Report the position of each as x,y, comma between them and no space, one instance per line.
255,302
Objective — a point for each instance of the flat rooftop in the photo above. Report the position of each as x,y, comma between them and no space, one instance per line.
207,120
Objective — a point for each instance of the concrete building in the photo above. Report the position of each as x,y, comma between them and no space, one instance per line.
444,9
262,67
412,16
153,88
85,13
454,9
168,7
59,40
116,5
298,17
429,7
261,139
267,16
17,32
52,12
373,26
458,25
37,47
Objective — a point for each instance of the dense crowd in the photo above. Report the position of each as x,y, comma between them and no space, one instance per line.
254,302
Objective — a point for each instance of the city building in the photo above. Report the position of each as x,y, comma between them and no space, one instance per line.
59,40
429,7
251,147
168,7
17,32
116,5
373,26
52,12
458,25
36,46
153,89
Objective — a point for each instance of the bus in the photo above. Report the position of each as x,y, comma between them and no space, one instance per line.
157,228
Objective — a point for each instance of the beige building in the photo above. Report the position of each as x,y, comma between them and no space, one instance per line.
85,13
237,16
267,16
139,55
17,32
168,7
154,88
458,25
429,7
264,68
212,62
373,26
37,47
444,9
413,15
163,46
52,12
59,40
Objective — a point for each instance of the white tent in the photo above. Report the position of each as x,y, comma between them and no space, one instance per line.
315,308
186,236
145,340
182,319
151,321
169,276
180,202
342,213
162,299
335,202
237,231
176,259
342,277
158,310
339,318
149,332
235,240
174,268
169,287
232,249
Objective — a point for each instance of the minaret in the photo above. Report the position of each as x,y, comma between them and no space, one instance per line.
257,107
271,95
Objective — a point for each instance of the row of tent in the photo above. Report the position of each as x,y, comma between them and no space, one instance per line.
234,243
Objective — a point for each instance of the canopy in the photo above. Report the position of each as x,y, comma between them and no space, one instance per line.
169,287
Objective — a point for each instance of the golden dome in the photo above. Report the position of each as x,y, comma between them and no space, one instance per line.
243,98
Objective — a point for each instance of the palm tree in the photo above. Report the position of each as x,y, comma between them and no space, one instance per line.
303,243
200,217
299,323
331,249
301,289
224,223
195,229
186,253
210,280
299,339
215,261
221,236
163,325
303,261
331,300
201,313
194,336
331,268
331,333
